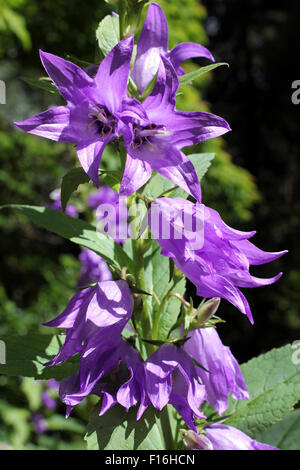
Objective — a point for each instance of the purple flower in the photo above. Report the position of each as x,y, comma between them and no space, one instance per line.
170,376
212,255
224,437
39,422
111,210
93,114
48,401
107,368
93,268
153,43
159,134
104,308
52,384
224,375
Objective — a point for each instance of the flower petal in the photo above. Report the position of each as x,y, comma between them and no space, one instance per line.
187,50
174,165
153,41
89,154
71,81
255,255
225,437
190,127
163,96
52,124
112,76
224,375
137,172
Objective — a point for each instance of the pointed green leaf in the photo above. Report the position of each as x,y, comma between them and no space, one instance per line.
108,33
157,281
273,380
284,435
26,356
70,183
82,63
118,429
77,231
44,83
188,77
112,179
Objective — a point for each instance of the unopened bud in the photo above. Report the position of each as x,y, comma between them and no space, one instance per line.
175,273
193,441
205,312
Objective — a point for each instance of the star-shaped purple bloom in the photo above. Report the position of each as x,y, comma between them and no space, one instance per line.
153,43
92,116
160,133
214,257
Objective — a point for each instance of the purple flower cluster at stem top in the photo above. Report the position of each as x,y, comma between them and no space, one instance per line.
99,111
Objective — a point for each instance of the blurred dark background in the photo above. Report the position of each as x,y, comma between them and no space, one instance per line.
260,40
253,181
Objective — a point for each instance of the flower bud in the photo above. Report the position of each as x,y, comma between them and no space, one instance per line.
205,312
193,441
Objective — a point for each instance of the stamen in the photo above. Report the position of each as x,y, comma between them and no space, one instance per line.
92,123
104,119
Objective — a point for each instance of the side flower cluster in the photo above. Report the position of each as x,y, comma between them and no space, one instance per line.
113,369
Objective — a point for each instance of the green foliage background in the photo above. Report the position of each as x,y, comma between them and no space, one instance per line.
38,269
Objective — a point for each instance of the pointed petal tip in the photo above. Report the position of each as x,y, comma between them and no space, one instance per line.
127,42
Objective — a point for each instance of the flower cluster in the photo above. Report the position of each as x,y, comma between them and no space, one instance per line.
195,368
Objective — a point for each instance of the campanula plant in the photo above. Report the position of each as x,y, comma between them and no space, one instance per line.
129,335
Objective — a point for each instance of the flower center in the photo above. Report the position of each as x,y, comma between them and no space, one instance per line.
103,120
143,135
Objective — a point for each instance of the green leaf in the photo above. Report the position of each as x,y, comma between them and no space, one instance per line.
26,356
70,183
159,185
284,435
58,422
108,34
16,23
273,382
82,63
118,429
77,231
157,281
44,83
188,77
112,179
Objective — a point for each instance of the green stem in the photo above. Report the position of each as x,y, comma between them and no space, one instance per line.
166,428
160,310
122,13
138,259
